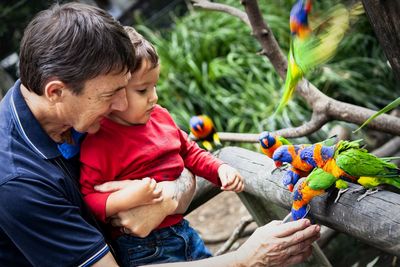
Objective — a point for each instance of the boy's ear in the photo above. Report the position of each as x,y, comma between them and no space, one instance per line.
55,90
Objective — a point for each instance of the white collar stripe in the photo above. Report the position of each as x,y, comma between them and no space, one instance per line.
101,251
22,129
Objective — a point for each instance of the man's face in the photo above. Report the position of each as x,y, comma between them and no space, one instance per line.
100,96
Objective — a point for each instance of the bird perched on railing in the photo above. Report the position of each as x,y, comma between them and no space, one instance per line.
291,154
269,143
203,129
314,185
288,154
348,160
310,48
319,180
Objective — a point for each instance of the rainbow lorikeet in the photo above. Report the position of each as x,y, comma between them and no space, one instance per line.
314,185
203,129
269,143
299,168
310,48
387,108
347,159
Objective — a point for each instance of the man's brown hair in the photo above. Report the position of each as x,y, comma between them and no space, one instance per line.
143,49
72,43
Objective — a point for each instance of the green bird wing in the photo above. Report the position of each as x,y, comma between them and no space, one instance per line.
284,141
330,141
319,179
321,46
293,75
344,145
358,162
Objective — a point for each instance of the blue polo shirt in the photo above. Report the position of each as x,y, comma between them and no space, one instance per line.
43,219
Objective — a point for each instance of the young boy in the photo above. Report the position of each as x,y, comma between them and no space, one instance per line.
144,141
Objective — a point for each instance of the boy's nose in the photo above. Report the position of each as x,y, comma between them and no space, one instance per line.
154,96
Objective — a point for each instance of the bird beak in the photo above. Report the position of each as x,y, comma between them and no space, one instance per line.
278,164
265,142
290,187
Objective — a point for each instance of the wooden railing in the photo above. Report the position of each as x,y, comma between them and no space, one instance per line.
375,219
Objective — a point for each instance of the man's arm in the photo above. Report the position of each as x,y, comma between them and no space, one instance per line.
107,261
274,244
140,221
185,188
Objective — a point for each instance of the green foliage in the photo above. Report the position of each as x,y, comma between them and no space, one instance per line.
14,17
210,65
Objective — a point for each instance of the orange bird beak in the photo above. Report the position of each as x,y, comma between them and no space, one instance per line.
278,164
290,187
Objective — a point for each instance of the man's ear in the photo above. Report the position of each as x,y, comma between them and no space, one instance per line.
55,90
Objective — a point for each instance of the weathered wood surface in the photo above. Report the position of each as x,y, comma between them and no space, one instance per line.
384,16
374,220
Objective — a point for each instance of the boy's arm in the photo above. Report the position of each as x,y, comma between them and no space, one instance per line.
177,196
199,161
131,194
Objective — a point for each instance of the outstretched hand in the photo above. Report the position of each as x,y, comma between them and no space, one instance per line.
230,178
278,244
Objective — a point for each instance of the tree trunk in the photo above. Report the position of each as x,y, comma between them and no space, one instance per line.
384,16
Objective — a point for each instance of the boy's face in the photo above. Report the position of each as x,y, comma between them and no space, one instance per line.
142,96
100,96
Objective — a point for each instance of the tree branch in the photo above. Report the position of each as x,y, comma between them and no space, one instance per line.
222,8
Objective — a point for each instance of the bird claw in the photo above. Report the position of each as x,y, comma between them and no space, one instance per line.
358,190
340,193
367,193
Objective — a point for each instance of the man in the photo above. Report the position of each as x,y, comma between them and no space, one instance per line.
74,66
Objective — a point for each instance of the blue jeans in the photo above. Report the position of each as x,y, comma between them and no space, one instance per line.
176,243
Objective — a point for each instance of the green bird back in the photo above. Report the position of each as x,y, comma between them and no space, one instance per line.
358,162
319,179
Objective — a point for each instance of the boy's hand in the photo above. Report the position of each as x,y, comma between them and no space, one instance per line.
149,191
231,179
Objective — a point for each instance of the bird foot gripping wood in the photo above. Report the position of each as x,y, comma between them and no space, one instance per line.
367,193
340,193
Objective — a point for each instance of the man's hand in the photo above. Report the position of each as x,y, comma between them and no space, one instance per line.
277,244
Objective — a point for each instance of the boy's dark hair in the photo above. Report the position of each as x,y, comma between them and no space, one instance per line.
73,43
143,49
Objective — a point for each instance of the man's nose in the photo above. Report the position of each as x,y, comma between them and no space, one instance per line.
121,102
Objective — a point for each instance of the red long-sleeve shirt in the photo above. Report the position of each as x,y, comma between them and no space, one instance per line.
157,149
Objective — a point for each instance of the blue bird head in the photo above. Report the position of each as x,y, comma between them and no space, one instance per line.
266,140
196,123
299,17
300,213
307,155
282,155
290,179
